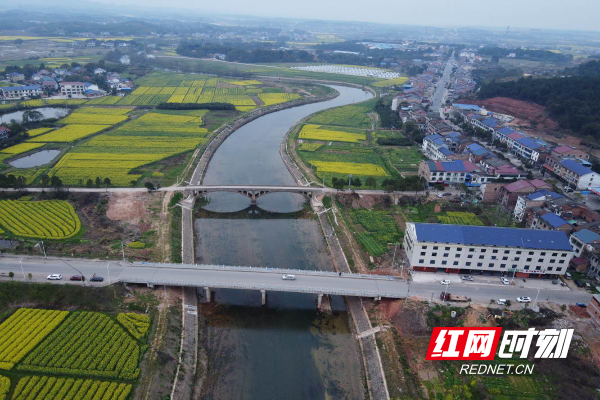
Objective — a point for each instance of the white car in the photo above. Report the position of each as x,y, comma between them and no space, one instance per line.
54,277
501,302
505,281
466,278
524,299
445,282
289,277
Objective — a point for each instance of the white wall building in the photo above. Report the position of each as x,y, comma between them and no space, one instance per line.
72,88
465,249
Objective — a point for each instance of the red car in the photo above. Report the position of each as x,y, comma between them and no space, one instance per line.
76,278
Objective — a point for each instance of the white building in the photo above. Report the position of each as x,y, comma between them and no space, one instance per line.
72,88
18,92
466,249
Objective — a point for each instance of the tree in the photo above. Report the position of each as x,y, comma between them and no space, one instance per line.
29,276
107,182
371,182
356,182
32,116
89,183
338,183
56,182
11,274
508,303
98,181
45,179
149,186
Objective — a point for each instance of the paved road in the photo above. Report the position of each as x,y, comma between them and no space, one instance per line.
309,283
440,89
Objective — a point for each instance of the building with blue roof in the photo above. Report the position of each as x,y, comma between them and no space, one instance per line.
535,199
529,148
464,249
581,238
435,147
574,173
551,221
18,92
466,107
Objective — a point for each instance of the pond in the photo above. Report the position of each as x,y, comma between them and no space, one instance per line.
47,112
35,159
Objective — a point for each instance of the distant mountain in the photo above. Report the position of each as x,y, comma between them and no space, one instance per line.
591,69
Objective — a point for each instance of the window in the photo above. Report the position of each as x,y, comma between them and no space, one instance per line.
470,256
435,247
483,250
459,249
543,253
527,268
479,264
468,263
494,251
519,252
424,247
561,261
491,265
504,258
531,253
494,258
502,265
471,250
540,260
558,269
481,257
421,261
446,254
517,259
434,254
552,261
550,268
529,259
432,262
514,266
538,268
444,262
422,253
455,263
563,255
446,248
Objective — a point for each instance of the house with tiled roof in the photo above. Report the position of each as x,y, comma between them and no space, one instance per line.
582,238
549,221
452,172
510,193
535,199
569,152
530,149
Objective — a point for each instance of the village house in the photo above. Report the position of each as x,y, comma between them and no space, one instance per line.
577,175
510,193
452,172
19,92
569,152
72,88
580,239
535,199
4,132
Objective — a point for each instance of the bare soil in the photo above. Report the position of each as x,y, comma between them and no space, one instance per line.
526,112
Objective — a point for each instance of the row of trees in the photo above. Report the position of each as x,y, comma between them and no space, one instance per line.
251,53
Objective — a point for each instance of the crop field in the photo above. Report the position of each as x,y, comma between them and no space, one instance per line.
47,219
152,137
346,168
355,115
459,218
30,326
21,148
85,118
317,132
70,355
310,146
38,131
391,82
380,227
276,98
106,100
69,133
43,387
404,158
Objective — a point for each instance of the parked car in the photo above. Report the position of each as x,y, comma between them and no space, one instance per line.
501,302
582,305
555,281
578,283
96,279
77,278
524,299
466,278
289,277
505,281
568,275
54,277
445,282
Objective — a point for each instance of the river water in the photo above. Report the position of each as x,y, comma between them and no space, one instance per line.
285,350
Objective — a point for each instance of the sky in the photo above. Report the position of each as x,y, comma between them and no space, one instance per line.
545,14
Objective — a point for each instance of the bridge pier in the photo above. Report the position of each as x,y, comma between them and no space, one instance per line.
208,295
320,301
264,297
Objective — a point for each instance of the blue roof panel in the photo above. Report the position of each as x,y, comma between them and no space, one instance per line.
493,236
586,236
554,220
574,166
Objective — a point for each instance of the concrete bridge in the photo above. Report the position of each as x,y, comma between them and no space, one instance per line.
209,277
252,191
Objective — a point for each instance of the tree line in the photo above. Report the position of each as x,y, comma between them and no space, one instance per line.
243,53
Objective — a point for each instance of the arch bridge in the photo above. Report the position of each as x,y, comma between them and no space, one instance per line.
253,192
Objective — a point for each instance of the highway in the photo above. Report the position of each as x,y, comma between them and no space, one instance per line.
440,89
264,279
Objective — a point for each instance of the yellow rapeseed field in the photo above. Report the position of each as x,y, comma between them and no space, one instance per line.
21,148
346,168
69,133
316,132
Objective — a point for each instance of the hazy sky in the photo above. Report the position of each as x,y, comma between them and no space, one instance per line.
558,14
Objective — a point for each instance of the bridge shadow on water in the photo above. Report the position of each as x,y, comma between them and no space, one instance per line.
252,212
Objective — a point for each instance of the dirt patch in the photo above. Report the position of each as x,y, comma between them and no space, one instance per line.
525,111
579,312
126,207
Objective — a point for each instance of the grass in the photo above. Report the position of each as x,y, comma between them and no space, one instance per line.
354,116
380,229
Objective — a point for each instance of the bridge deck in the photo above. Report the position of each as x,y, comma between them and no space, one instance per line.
315,282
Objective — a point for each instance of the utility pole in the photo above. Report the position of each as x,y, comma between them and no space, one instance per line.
349,181
22,270
123,250
44,249
445,292
108,271
536,297
394,259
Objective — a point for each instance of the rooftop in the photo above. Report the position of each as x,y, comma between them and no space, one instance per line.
451,166
544,193
529,142
493,236
575,167
15,88
554,220
586,236
520,185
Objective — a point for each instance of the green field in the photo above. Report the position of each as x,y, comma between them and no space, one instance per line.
354,116
46,354
380,228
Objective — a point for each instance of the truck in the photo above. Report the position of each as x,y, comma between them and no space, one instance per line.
452,297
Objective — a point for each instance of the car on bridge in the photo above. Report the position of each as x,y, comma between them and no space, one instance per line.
289,277
54,277
505,281
77,278
445,282
96,279
524,299
466,278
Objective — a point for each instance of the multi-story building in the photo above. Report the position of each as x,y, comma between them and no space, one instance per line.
466,249
510,193
436,148
569,152
458,171
577,175
530,149
534,199
549,221
18,92
72,88
594,308
582,238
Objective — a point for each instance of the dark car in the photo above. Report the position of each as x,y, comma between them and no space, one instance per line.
578,283
582,305
96,279
77,278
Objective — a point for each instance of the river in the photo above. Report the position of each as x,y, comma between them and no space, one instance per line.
285,350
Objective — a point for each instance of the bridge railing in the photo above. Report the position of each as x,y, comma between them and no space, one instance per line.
268,287
262,269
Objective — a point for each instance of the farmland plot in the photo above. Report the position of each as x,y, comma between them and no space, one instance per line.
47,219
317,132
31,387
